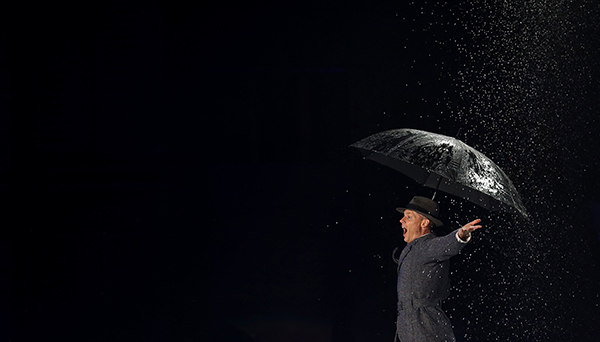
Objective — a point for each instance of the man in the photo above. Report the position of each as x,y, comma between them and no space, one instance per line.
423,272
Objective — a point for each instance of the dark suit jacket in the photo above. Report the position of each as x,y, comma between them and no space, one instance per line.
423,282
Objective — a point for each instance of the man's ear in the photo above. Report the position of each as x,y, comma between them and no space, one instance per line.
425,223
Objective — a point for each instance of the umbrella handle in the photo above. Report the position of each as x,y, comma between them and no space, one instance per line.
394,256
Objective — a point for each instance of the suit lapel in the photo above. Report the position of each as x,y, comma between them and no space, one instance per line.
410,246
403,254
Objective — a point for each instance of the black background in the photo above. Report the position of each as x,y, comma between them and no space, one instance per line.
180,172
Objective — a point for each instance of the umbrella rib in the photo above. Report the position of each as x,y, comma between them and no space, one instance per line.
400,144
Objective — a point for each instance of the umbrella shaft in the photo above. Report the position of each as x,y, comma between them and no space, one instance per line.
437,186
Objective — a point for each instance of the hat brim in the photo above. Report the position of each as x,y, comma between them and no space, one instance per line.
435,221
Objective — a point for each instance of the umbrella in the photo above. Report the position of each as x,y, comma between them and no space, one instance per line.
446,164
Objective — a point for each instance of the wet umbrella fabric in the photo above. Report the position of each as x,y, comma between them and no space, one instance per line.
445,163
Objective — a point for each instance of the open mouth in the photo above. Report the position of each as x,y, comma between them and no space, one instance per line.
403,231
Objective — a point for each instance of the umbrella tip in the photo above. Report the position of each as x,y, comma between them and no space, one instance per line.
458,133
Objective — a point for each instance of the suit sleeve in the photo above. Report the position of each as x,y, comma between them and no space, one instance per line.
444,247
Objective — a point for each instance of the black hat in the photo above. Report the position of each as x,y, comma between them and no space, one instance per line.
425,207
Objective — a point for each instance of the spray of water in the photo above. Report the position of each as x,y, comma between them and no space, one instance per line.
524,76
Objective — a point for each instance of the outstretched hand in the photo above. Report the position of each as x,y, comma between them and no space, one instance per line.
465,232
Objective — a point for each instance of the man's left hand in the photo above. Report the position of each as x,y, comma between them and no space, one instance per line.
465,232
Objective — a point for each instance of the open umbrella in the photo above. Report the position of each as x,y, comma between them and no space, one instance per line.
446,164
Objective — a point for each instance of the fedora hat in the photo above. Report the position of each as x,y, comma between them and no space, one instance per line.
425,207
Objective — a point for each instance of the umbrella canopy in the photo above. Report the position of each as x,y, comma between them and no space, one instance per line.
445,163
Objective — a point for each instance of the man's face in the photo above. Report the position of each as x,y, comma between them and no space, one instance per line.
413,225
